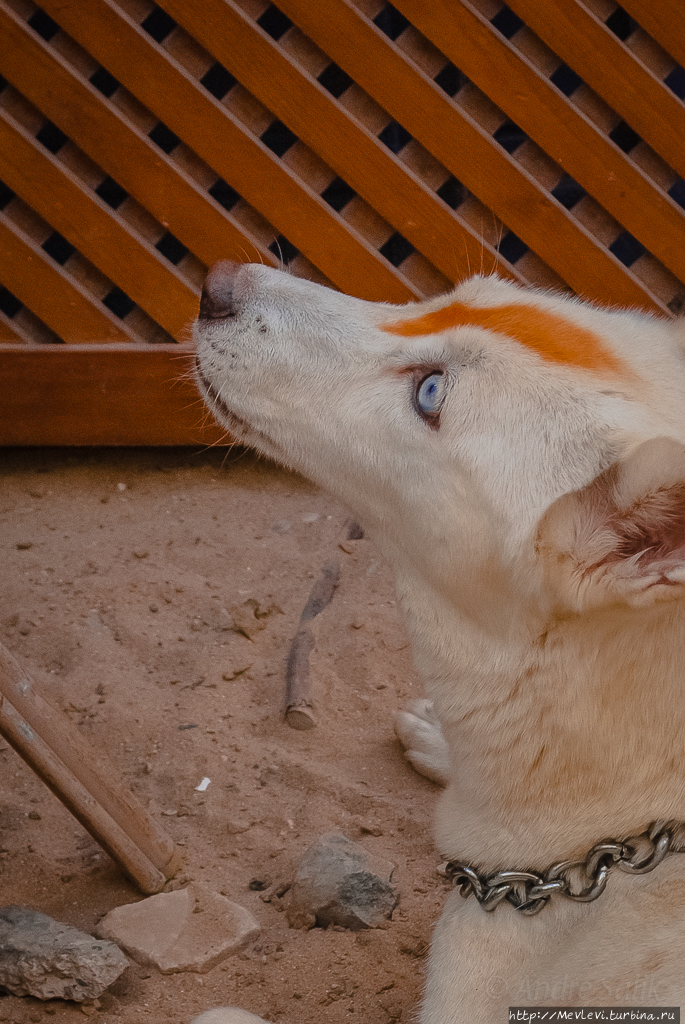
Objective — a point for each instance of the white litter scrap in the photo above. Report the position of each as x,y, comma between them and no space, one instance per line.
203,785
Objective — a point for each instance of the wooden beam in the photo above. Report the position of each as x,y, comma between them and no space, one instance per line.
102,395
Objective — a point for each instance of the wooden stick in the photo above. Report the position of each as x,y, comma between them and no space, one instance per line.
68,765
298,711
298,700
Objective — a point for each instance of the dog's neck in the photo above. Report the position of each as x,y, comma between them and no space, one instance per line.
559,736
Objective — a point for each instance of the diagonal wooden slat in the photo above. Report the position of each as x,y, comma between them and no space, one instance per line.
165,88
534,104
84,220
8,332
49,292
584,42
346,146
663,19
354,43
120,148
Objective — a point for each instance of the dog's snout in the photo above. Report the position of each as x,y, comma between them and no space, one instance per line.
217,301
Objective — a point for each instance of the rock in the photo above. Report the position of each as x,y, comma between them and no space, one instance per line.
259,884
339,883
43,958
248,618
191,929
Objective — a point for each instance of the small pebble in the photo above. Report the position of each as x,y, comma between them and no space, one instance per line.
24,545
281,526
371,830
234,673
259,884
122,487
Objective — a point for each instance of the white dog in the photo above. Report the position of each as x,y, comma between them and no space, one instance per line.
519,457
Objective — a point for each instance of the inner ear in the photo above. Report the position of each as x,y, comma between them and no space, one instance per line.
622,537
653,529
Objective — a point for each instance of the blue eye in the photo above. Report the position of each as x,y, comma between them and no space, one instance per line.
431,394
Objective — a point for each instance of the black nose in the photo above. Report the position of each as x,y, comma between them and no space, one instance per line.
217,301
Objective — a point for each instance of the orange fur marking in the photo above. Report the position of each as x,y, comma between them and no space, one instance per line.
552,337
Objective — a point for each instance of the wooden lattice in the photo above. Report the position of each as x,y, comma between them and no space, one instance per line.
386,150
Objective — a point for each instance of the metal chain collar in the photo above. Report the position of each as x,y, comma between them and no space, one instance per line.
529,892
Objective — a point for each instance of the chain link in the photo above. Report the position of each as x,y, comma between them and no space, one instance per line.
529,892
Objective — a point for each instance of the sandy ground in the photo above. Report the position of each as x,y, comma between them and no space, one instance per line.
121,571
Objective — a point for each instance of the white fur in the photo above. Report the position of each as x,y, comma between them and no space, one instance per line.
549,636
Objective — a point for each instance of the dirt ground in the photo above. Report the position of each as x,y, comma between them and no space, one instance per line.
122,572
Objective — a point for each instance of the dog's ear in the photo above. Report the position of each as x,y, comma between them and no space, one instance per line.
621,538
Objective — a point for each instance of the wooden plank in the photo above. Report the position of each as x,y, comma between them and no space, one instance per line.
662,19
121,149
48,291
585,43
534,104
122,47
357,46
353,152
86,222
101,395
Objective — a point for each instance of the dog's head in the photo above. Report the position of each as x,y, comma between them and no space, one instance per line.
480,436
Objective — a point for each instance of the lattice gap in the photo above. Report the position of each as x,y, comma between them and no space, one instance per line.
23,325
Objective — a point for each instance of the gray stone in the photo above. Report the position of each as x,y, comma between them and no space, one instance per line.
339,882
191,929
41,957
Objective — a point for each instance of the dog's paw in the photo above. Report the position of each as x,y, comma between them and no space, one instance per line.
228,1015
419,732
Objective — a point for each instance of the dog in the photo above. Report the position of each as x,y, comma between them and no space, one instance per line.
519,458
